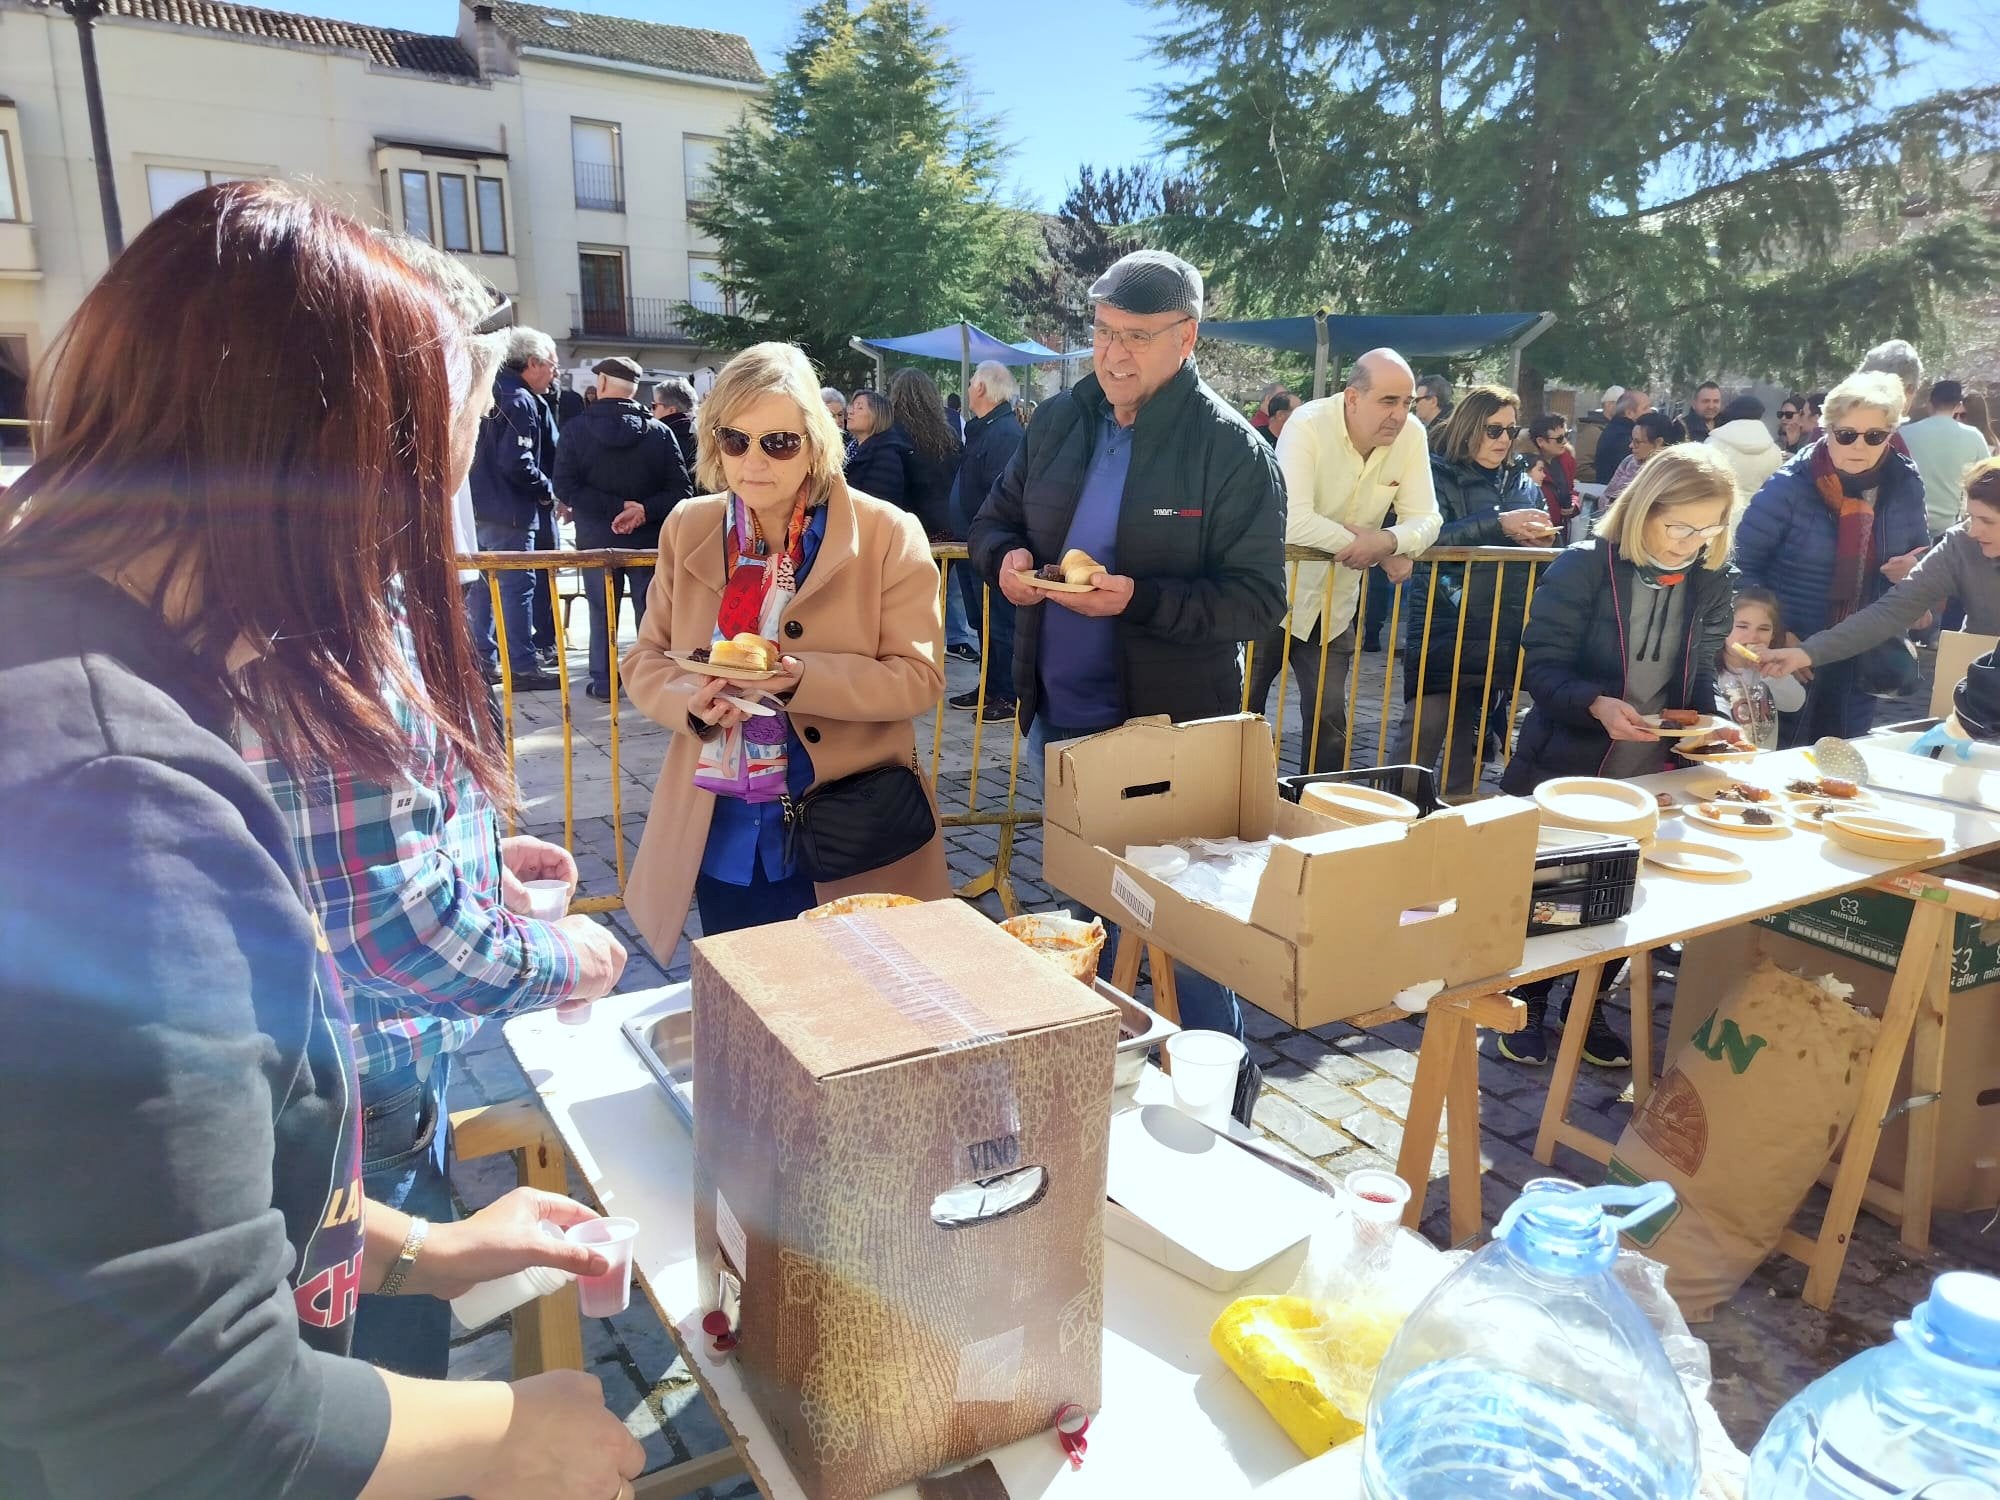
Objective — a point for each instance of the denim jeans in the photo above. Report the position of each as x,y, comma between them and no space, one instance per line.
1206,1005
405,1157
958,629
542,608
604,625
997,653
729,908
516,595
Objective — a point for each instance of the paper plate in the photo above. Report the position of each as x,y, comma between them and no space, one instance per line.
709,669
1723,757
1879,837
1728,818
1351,802
1599,805
1720,786
1073,945
1862,796
1703,861
847,906
1676,731
1050,586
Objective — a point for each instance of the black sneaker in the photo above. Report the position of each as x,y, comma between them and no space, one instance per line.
964,700
963,653
1371,643
601,691
1529,1046
546,659
536,682
1603,1046
999,711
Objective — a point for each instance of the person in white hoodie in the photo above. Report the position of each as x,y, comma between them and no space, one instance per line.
1742,438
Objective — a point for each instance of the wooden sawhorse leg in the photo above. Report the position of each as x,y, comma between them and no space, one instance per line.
1160,964
548,1332
1642,1029
1930,922
1556,1128
1927,1044
1447,1091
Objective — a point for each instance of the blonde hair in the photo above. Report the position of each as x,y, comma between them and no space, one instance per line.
1683,474
765,370
1465,430
1873,388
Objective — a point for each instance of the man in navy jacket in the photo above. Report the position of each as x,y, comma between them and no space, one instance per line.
511,484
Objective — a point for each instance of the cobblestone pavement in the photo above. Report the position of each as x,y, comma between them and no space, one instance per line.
1334,1095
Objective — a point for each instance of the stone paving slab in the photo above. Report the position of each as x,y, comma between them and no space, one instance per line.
1336,1096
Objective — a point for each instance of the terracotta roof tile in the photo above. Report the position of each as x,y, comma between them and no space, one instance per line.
409,50
679,49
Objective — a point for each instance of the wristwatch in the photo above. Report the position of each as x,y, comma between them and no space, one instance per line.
413,1244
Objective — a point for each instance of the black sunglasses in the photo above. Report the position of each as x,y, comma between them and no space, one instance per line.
778,445
503,315
1509,431
1847,437
1786,413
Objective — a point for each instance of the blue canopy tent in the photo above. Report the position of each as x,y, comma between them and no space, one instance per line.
1415,336
963,342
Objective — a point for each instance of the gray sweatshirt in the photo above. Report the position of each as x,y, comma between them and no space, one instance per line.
1954,569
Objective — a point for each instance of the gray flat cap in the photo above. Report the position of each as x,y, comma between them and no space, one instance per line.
1150,281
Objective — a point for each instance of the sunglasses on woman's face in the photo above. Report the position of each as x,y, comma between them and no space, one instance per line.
1786,414
1509,431
778,445
1847,437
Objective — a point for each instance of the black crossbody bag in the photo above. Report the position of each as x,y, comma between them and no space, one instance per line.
845,828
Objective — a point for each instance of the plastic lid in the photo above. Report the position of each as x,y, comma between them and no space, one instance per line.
1555,1226
1960,1320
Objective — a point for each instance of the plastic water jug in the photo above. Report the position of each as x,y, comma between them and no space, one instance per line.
1918,1416
1529,1372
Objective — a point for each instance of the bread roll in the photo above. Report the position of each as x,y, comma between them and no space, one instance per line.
1079,566
749,653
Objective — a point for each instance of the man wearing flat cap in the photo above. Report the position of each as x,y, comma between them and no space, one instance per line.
1171,492
620,472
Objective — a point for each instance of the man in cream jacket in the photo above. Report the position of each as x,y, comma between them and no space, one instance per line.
1347,461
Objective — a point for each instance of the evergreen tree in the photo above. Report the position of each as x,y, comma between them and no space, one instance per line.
1678,182
858,197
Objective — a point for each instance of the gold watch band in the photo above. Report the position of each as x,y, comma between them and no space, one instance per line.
413,1244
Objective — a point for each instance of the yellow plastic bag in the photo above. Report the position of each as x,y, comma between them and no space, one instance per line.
1310,1363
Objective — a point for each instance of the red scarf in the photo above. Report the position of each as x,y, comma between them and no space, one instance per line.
1854,548
753,577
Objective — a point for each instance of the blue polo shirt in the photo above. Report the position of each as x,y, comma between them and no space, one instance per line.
1078,666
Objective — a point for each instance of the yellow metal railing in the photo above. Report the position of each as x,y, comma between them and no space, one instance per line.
1007,815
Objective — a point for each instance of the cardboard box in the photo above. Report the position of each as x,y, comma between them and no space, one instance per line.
1851,944
850,1072
1344,918
1956,650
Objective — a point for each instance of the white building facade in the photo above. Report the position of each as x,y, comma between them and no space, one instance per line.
558,152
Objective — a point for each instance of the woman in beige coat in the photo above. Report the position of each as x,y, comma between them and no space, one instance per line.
845,584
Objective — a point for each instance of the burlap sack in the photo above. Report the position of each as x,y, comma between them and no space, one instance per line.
1742,1125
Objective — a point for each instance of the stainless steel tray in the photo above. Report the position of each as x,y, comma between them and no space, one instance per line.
664,1041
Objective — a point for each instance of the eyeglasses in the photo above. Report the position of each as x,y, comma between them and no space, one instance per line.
1680,531
1786,414
1847,437
778,445
1507,430
1135,339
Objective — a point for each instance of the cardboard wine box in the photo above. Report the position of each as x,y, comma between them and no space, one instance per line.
900,1154
1343,919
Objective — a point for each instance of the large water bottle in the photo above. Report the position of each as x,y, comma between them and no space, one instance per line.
1919,1415
1529,1372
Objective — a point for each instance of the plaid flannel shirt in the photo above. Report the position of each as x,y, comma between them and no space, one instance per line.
406,879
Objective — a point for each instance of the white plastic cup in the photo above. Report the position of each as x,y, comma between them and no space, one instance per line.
602,1296
575,1013
477,1306
1377,1196
1205,1065
548,900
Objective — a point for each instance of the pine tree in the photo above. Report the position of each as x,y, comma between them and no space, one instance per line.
859,197
1676,181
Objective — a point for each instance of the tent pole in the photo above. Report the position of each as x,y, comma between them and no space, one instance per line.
873,356
1319,355
964,360
1542,326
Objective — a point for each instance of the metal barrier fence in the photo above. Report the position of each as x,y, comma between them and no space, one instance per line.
1452,570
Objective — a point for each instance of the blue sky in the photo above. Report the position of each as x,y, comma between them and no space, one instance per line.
1068,78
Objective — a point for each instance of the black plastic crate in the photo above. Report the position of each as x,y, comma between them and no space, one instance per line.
1583,885
1416,784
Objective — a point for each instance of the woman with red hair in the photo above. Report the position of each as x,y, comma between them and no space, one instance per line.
186,1236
